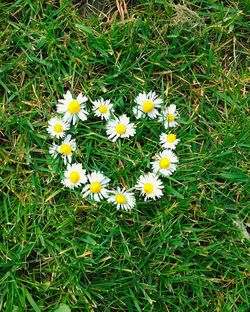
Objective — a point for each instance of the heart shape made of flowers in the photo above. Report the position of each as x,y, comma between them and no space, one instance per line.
95,185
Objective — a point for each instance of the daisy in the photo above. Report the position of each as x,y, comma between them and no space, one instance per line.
147,105
165,163
169,116
65,149
73,109
57,127
95,189
122,199
103,108
120,128
150,186
169,140
74,176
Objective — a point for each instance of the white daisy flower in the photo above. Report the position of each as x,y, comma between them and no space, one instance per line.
57,127
169,140
65,149
170,115
147,105
120,128
122,199
103,108
74,176
95,189
53,150
165,163
73,109
150,186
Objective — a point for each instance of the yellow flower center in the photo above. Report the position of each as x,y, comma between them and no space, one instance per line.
95,187
120,129
148,106
171,138
74,107
120,199
74,177
164,163
170,117
103,109
148,188
58,128
65,149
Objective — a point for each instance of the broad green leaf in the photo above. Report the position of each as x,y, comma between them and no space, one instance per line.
63,308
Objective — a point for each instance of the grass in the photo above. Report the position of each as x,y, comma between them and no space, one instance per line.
185,252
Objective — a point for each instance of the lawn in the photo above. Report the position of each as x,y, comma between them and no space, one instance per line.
187,251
